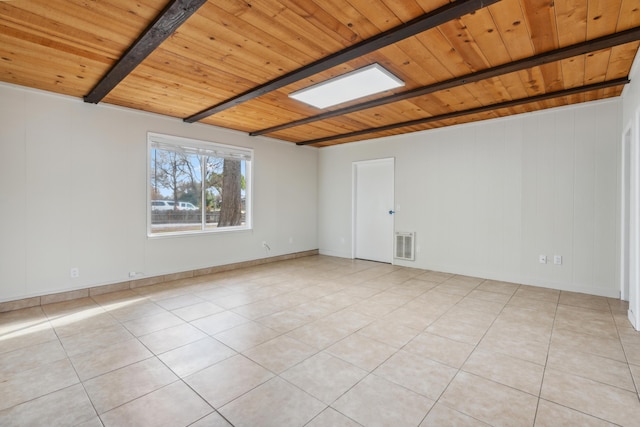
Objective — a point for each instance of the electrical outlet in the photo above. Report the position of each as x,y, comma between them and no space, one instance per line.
74,272
557,259
542,259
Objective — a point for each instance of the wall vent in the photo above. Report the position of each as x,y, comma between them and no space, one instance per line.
405,246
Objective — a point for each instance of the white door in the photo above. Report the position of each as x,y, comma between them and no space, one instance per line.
373,210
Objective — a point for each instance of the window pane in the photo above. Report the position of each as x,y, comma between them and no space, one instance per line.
225,192
176,186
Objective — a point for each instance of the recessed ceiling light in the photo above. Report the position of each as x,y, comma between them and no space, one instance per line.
362,82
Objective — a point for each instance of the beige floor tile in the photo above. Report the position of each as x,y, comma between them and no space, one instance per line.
246,336
236,300
332,418
424,376
26,358
281,353
135,309
635,372
443,350
490,402
228,379
347,319
93,422
632,352
96,339
82,322
484,295
507,370
171,338
574,340
324,376
440,415
412,317
434,276
197,311
219,322
456,288
211,420
476,304
390,298
591,366
362,352
66,407
533,304
195,356
526,346
125,384
360,291
25,334
472,317
275,403
101,361
389,333
64,308
153,323
587,321
319,335
315,310
439,299
498,287
113,300
553,415
179,301
530,317
628,335
378,402
33,383
592,302
373,308
284,321
173,405
599,400
257,309
457,331
542,294
11,321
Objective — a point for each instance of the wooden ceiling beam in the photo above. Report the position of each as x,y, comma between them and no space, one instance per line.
165,24
485,108
418,25
604,42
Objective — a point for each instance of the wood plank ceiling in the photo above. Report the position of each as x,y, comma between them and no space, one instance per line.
506,57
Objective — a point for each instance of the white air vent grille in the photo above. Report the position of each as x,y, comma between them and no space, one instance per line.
405,246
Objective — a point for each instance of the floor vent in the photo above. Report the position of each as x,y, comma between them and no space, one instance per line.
405,246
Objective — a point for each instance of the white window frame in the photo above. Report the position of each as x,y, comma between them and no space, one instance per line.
177,143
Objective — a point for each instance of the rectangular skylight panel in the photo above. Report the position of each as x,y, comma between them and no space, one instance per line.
363,82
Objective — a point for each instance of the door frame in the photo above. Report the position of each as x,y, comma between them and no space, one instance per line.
625,213
633,266
354,183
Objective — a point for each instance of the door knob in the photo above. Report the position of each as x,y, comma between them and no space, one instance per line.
392,212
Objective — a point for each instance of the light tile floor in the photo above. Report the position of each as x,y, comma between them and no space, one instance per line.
322,341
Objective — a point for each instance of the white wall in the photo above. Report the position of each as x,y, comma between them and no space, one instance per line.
487,198
73,194
630,168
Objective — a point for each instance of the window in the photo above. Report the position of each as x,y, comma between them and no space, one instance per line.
197,186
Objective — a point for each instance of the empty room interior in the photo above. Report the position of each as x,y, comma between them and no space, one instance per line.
316,213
